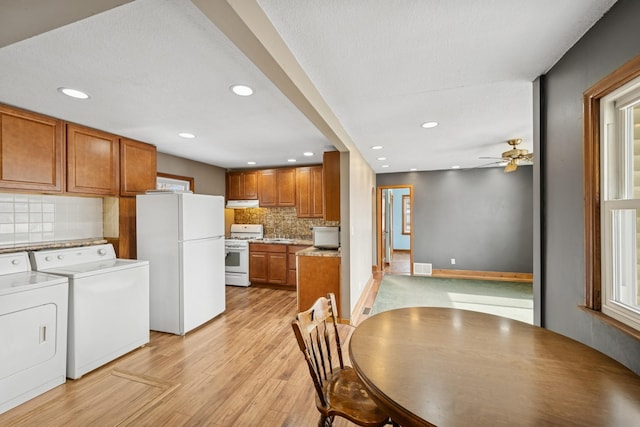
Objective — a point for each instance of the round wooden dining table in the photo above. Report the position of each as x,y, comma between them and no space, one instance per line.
449,367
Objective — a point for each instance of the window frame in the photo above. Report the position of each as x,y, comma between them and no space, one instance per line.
592,186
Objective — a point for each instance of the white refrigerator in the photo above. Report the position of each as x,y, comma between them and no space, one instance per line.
182,237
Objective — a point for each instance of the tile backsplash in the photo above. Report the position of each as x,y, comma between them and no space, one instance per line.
33,218
280,222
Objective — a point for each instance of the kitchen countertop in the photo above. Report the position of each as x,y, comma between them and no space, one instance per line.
277,241
310,251
319,252
50,245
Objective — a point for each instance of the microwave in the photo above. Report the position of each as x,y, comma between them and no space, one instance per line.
326,237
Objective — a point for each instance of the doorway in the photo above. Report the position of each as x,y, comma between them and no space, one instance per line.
394,229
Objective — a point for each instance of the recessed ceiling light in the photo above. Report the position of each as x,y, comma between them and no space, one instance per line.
292,160
455,167
308,153
251,163
74,93
241,90
186,135
377,147
413,169
428,125
382,158
385,166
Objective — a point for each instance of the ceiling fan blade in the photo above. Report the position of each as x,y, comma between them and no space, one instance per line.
484,165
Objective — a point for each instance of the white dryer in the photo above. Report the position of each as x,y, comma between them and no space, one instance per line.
33,330
108,303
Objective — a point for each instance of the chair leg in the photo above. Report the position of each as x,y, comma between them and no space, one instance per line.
325,421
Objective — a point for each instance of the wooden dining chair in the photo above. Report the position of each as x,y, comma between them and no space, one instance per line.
339,391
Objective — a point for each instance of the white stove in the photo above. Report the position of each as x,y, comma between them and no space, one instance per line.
237,252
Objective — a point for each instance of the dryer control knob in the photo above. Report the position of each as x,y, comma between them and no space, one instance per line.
15,262
60,256
48,258
102,252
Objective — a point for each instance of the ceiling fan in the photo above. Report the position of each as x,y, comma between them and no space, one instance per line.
514,156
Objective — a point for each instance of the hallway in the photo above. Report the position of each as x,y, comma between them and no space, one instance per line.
400,263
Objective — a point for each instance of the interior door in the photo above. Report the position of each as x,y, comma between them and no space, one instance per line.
383,226
390,227
385,236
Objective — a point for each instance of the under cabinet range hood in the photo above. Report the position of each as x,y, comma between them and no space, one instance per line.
242,204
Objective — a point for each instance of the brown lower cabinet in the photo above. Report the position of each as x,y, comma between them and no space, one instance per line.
268,263
292,279
317,276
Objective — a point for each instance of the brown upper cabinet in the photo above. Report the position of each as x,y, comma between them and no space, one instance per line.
277,187
309,192
138,167
242,185
93,159
31,151
331,178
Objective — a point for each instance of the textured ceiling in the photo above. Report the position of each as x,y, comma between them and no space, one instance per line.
155,68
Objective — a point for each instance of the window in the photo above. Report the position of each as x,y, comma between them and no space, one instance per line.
406,214
620,203
612,197
165,181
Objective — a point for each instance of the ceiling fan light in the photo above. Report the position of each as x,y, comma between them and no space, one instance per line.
511,166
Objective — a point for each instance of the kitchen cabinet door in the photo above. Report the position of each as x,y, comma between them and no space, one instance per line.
250,185
277,268
268,263
93,161
267,188
286,187
31,151
277,187
309,192
242,185
258,267
138,167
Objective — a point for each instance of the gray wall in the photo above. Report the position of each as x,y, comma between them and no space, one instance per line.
481,217
207,179
608,45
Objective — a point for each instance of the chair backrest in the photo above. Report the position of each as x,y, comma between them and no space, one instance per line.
317,333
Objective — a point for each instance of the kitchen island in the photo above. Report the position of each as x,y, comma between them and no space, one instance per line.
318,274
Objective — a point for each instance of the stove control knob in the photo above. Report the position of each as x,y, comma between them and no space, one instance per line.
102,252
48,258
15,262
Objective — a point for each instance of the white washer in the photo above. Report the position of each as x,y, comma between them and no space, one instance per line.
108,303
33,330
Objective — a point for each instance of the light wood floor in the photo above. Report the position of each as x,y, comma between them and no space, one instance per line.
400,263
241,369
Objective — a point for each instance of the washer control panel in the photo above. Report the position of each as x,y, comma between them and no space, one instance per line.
56,258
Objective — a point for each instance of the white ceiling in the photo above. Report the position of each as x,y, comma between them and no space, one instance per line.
155,68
